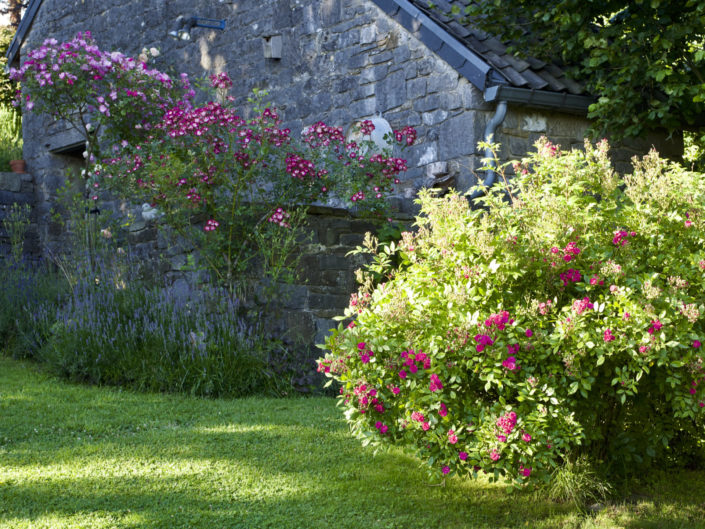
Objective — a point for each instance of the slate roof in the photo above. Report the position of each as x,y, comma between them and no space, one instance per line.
526,72
484,61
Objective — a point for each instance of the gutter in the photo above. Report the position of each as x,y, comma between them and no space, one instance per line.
13,50
568,103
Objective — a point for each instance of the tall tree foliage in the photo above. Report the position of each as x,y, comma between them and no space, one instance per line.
14,9
7,87
644,59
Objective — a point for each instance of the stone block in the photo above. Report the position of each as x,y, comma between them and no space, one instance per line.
293,297
403,117
348,37
341,85
410,70
366,76
324,262
379,58
327,236
296,326
9,198
518,147
422,154
322,102
451,101
434,118
363,107
329,12
428,103
328,305
459,136
323,328
337,280
380,71
357,61
351,240
10,182
436,170
368,34
425,66
401,54
146,235
442,82
534,123
391,92
362,92
415,88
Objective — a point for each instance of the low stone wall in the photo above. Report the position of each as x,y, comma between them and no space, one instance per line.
326,273
18,188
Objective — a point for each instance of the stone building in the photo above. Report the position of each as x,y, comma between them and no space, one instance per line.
338,61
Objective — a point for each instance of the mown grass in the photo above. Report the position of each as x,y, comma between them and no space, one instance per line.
83,457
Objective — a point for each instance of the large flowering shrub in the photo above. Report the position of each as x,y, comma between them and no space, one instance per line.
564,318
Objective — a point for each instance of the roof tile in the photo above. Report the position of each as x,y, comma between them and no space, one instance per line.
555,84
519,64
496,60
514,77
535,80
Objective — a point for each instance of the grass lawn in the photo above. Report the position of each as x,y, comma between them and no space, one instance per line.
85,457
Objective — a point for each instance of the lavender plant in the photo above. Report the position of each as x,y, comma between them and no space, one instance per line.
115,330
16,224
27,288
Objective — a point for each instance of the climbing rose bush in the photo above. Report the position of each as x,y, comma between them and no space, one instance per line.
238,188
564,318
96,91
234,183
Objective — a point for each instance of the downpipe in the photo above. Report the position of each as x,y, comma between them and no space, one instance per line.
490,129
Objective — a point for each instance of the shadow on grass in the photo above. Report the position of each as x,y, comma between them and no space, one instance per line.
154,461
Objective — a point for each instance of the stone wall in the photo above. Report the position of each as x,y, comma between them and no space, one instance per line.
342,60
522,127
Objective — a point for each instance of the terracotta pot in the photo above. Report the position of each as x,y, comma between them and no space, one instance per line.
18,166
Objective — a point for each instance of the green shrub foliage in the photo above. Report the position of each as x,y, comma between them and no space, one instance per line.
562,319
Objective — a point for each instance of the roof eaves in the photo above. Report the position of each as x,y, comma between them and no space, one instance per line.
470,65
13,50
570,103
